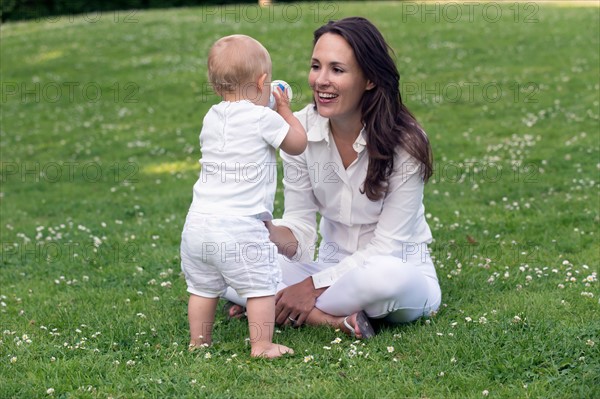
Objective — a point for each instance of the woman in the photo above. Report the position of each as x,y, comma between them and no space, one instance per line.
363,171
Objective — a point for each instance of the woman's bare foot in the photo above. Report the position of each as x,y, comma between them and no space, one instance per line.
235,311
270,350
354,331
357,325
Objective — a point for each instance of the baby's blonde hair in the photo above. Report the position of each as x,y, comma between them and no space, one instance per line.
236,60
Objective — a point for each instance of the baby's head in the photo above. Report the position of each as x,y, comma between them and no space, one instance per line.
239,64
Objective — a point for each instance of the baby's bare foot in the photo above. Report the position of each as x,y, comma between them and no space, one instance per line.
196,345
270,350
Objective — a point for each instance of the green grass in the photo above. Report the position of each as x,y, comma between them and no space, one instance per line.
96,185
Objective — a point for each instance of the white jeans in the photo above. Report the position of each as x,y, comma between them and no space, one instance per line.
397,290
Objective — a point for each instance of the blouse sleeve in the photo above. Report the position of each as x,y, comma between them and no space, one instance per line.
300,204
401,228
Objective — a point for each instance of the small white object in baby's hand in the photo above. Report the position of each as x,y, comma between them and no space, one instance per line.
282,84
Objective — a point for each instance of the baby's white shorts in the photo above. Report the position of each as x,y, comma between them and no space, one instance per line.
220,251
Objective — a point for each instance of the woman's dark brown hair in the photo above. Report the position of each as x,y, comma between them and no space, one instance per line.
388,123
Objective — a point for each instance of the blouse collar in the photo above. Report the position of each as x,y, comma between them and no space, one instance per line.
321,131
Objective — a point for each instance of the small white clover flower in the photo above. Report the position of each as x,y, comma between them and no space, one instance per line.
308,358
390,349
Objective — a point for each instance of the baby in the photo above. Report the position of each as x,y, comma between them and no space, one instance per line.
224,242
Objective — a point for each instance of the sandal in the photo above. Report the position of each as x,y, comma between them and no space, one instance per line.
227,309
364,325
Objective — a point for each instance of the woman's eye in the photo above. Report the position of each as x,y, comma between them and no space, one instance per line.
314,66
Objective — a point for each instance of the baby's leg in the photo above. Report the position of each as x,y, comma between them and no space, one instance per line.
201,314
261,319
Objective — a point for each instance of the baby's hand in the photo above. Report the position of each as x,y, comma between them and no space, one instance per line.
282,101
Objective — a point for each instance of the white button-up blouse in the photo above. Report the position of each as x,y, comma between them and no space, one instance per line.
352,227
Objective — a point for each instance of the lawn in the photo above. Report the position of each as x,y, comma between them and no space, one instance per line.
99,138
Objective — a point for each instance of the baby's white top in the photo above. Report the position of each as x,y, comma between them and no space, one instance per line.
239,165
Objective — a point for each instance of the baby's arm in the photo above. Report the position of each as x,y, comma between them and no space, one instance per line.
294,142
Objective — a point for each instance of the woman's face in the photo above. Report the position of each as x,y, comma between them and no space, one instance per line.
336,79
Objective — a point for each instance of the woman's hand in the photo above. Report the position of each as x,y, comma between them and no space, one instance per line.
296,302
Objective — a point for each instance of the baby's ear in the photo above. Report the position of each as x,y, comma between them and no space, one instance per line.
261,81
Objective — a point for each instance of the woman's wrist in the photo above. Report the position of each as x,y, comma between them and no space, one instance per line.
283,238
316,292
